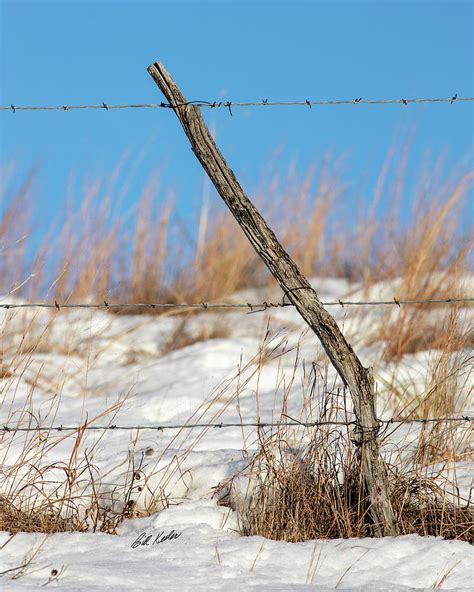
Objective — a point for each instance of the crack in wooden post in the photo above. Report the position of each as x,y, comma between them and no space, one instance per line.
299,292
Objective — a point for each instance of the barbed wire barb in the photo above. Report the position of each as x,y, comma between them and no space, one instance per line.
257,307
103,106
222,425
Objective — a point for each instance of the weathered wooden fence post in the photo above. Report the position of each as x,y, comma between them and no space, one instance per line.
299,292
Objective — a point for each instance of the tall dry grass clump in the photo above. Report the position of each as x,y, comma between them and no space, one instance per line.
302,491
44,489
306,483
440,388
430,261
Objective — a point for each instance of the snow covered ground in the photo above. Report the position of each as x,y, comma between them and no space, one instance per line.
208,556
80,365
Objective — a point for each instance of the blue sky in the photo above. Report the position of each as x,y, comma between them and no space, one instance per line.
80,52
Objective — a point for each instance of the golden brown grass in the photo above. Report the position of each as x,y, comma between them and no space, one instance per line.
445,390
306,485
304,499
315,491
151,254
183,335
61,495
146,256
42,491
41,494
429,258
14,519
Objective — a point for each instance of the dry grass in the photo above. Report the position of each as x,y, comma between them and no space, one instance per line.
304,490
183,335
60,496
47,490
13,519
150,254
316,492
42,489
300,490
429,259
444,391
306,483
303,500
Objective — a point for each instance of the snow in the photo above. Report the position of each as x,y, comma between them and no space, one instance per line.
111,369
209,555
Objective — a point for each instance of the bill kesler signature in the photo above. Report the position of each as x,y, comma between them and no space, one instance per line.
147,540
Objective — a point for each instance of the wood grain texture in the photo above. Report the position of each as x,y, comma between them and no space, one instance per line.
299,292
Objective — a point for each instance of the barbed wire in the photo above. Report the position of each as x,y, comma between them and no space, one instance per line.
229,104
222,425
258,307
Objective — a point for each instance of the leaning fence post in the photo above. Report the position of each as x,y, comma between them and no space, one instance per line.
299,292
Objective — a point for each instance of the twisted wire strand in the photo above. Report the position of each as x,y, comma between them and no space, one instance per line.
222,425
256,307
229,104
